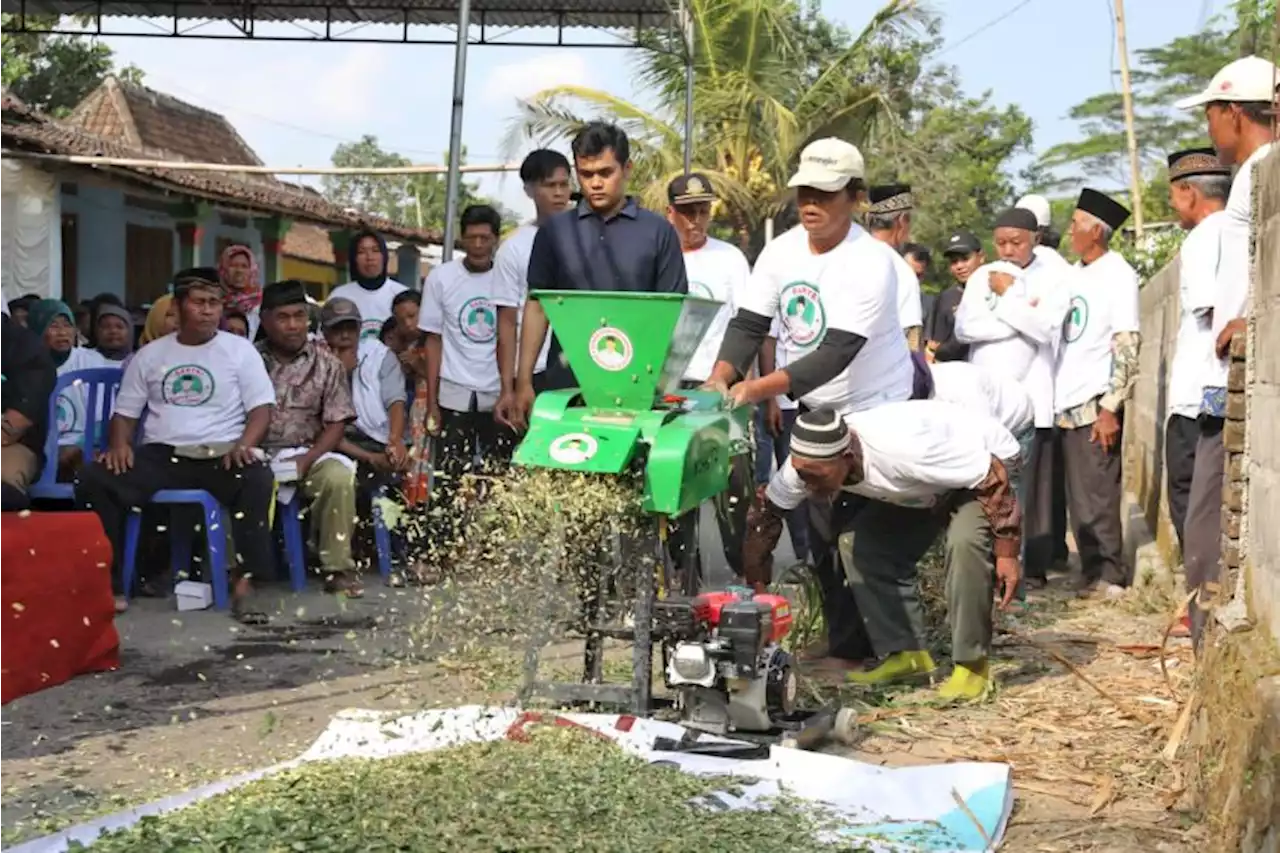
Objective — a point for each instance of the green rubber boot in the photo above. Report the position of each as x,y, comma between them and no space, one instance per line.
895,669
969,682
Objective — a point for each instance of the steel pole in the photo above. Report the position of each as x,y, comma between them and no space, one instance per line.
455,131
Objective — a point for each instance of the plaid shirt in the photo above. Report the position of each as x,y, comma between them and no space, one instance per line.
312,391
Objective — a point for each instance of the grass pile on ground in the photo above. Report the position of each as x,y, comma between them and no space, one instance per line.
563,791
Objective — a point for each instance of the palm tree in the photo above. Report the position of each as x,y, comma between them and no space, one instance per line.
766,83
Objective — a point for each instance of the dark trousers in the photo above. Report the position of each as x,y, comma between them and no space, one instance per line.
1180,438
846,634
770,451
247,492
464,438
1202,553
1044,528
1093,499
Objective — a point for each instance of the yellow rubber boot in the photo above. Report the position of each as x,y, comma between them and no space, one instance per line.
896,668
969,682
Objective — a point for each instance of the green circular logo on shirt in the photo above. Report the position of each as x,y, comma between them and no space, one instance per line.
697,288
1077,319
802,312
478,320
371,328
67,415
187,385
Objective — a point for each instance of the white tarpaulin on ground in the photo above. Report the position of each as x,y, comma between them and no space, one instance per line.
935,808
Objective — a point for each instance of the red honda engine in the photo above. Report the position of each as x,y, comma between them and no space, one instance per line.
774,611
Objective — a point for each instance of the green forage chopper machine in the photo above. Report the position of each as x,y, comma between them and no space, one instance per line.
722,652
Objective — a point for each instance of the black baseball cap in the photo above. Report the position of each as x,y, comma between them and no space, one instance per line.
692,188
962,243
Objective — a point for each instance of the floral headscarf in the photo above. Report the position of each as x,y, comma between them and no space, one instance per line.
249,298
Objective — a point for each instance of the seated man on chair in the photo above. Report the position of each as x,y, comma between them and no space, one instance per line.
207,399
313,407
29,378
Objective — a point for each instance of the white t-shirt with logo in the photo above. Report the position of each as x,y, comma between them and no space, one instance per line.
910,308
1231,297
70,409
1193,357
851,288
716,271
1019,334
979,390
776,331
511,282
374,305
195,394
912,453
458,305
1104,302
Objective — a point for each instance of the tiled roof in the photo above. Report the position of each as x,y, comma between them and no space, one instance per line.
139,117
501,13
29,130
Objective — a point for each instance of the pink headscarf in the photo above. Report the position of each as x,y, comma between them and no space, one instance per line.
248,298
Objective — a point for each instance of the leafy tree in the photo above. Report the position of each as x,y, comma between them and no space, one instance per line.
1162,75
770,76
418,200
53,73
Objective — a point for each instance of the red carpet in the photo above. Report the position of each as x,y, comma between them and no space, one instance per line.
55,588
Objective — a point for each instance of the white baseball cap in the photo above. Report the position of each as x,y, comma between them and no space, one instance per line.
1039,205
1249,79
828,165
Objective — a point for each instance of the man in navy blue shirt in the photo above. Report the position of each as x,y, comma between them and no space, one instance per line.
606,243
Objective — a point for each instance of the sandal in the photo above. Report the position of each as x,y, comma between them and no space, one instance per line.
240,610
343,583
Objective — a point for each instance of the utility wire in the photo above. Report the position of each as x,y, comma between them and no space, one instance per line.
999,19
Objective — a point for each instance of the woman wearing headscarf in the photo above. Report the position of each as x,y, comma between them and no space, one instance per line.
162,319
238,271
54,321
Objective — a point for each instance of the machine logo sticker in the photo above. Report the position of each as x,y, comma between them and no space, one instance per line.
1077,319
187,385
610,348
478,320
573,448
802,312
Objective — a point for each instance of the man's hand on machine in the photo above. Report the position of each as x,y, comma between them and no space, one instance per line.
507,413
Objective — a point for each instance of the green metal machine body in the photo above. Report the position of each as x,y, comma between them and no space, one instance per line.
629,352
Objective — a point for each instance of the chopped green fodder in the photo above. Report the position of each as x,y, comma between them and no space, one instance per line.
562,791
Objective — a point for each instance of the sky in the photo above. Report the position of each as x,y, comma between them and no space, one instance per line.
294,103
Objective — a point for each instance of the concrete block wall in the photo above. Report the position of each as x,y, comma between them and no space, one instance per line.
1259,526
1146,413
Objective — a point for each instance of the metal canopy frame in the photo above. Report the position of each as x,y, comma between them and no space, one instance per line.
347,21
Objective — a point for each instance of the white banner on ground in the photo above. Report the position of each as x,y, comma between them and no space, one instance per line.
884,809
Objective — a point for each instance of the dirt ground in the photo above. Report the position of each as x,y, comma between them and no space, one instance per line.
1082,712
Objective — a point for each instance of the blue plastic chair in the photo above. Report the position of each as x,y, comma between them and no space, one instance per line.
99,386
217,521
295,550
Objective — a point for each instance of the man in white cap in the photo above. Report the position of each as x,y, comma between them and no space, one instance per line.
1238,105
1046,240
917,469
833,288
